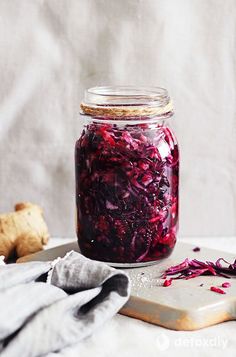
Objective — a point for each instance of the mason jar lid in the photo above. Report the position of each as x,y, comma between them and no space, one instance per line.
126,101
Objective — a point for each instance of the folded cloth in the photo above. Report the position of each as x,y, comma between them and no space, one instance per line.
38,317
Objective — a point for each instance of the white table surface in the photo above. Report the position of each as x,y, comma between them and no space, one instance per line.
127,337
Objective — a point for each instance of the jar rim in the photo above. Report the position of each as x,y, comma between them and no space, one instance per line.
126,101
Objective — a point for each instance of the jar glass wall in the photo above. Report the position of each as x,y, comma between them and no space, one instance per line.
127,176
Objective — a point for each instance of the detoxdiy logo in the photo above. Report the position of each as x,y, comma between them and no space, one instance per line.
164,342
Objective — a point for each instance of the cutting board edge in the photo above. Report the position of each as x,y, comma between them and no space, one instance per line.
177,319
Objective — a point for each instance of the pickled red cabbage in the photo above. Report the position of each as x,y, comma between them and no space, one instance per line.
127,192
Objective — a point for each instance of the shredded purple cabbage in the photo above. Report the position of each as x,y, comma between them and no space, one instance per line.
217,290
226,285
189,269
127,192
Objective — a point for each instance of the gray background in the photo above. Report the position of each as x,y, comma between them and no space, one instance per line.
50,51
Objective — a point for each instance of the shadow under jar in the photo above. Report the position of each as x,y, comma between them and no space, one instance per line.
127,176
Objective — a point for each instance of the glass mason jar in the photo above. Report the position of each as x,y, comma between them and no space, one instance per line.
127,176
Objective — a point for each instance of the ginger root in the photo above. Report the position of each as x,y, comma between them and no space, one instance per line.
23,231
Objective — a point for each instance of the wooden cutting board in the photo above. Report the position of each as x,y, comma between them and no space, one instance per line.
185,305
